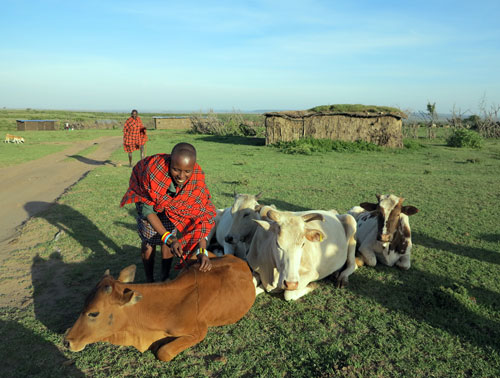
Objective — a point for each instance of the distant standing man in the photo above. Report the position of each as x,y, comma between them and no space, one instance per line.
134,136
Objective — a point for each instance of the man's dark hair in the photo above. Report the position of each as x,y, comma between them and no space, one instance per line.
184,149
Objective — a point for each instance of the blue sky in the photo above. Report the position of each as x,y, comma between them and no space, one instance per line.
248,55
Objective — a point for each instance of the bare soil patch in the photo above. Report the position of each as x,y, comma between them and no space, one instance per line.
38,183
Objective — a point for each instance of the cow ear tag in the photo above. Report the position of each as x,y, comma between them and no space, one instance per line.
320,237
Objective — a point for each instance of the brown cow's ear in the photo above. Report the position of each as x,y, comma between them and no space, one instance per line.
368,206
130,297
409,210
315,235
127,274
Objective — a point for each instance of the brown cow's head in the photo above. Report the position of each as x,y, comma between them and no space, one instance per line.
100,317
388,210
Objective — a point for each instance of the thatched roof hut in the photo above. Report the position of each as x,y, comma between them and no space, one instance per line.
379,125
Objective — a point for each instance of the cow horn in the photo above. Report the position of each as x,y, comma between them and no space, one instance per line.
313,216
257,196
379,196
273,215
106,273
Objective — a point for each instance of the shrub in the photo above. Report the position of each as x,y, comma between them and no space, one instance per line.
411,144
307,146
226,125
465,138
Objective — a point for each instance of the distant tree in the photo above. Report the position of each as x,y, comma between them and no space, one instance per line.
473,121
432,115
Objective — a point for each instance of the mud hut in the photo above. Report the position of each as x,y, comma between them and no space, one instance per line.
379,125
37,124
172,122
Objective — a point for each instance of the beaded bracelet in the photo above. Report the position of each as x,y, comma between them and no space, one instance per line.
165,237
202,250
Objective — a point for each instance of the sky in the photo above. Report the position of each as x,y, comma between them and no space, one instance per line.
171,56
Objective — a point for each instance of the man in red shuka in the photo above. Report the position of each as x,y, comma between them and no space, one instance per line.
134,136
171,198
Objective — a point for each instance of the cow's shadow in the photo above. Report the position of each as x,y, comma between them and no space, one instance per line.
25,354
480,254
60,287
435,300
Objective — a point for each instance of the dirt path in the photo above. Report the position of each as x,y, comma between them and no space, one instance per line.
43,181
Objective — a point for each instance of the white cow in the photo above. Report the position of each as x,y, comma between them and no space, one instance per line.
384,232
290,250
234,226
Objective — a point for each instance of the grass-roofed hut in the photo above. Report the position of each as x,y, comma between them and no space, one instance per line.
376,124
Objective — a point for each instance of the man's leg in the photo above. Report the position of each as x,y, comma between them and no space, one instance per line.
148,259
130,159
166,262
142,151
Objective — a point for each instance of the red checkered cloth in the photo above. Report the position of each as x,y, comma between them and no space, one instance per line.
134,134
190,210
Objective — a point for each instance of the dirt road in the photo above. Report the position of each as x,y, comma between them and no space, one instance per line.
44,180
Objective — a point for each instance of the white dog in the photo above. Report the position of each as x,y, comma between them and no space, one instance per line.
13,138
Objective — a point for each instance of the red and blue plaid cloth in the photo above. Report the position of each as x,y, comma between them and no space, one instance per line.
190,210
134,134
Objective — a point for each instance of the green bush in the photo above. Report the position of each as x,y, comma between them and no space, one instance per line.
307,146
411,144
465,138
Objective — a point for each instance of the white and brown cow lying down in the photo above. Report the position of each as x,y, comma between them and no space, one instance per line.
289,250
234,226
167,317
384,232
13,138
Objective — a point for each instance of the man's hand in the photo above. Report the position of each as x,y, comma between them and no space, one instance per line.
205,264
176,248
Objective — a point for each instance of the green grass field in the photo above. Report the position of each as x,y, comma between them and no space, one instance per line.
440,318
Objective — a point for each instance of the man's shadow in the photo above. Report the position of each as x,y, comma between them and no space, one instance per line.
25,354
89,161
60,287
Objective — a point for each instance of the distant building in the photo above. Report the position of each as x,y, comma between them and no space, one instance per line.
382,128
172,122
37,124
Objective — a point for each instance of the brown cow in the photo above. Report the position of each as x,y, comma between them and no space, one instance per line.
166,317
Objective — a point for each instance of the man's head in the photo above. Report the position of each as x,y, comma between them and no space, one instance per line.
182,162
134,114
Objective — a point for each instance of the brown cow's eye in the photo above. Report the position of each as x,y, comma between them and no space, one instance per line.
93,314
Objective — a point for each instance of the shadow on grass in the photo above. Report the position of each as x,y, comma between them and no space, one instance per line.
25,354
480,254
282,205
492,238
59,287
438,301
88,161
247,141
